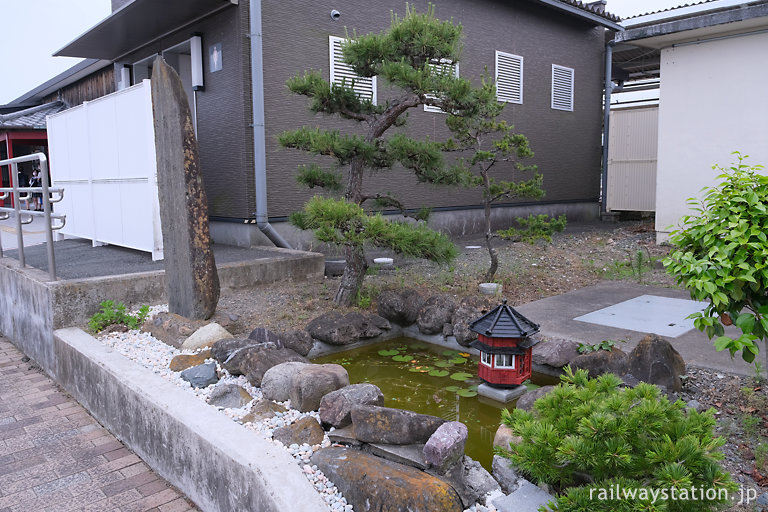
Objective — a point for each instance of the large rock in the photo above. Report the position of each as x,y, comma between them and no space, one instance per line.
170,328
191,279
462,317
435,313
299,341
276,383
229,396
526,498
446,446
336,407
252,358
206,336
337,329
505,437
312,382
470,480
601,361
374,424
401,308
655,360
526,401
303,431
201,376
262,410
505,474
555,352
183,361
371,483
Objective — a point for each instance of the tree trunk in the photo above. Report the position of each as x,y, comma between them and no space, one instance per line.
488,233
352,279
354,190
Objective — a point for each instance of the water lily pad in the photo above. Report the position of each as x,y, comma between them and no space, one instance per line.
453,389
444,364
466,393
450,353
439,373
402,358
388,353
458,360
461,376
414,370
530,385
473,388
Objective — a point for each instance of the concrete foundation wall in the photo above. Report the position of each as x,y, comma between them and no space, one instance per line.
218,464
455,223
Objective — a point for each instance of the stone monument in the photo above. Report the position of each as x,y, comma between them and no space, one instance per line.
192,283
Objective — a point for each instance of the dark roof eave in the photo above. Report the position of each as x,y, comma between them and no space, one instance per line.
737,14
605,20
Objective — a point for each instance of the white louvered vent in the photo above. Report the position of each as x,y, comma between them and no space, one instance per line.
509,77
443,67
562,88
342,72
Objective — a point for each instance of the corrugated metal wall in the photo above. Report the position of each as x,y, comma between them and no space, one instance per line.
632,150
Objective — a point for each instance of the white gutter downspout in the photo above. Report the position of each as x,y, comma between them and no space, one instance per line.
259,146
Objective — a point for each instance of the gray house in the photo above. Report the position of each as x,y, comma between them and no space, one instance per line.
235,56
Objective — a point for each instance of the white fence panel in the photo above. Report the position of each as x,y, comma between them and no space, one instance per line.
632,149
103,154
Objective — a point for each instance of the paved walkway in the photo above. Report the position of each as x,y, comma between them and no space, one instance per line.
54,456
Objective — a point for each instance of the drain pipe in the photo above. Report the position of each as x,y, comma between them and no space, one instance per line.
606,121
259,135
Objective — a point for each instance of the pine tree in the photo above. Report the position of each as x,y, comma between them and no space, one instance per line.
414,58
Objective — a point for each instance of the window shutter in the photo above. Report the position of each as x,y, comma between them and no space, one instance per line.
562,88
509,77
443,67
342,72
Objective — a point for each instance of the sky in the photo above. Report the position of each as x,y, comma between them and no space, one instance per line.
34,29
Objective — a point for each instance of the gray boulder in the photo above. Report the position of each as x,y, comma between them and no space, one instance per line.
252,358
206,336
230,353
401,308
276,382
312,382
505,474
555,352
470,480
337,329
526,401
299,341
305,430
201,376
446,446
601,361
654,360
335,407
435,313
170,328
262,410
505,437
374,424
371,483
263,335
527,498
229,396
460,320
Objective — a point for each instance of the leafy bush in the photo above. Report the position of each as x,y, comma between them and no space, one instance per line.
721,256
591,434
606,345
535,227
111,313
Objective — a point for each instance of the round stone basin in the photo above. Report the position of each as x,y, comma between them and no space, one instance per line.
430,379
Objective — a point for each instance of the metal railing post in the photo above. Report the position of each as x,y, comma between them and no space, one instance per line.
47,216
19,235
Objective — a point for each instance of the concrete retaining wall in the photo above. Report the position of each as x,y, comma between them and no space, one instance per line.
217,463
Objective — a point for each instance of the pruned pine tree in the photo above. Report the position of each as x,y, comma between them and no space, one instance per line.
415,58
493,146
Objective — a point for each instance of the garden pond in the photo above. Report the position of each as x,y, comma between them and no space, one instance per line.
430,379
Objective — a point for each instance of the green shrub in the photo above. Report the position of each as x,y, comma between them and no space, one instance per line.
111,313
590,434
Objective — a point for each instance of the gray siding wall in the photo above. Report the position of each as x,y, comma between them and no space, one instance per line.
566,144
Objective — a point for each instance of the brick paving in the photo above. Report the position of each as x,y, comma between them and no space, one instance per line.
55,457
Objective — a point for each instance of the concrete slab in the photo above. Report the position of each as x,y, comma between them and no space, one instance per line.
527,498
344,435
408,454
503,395
664,316
557,318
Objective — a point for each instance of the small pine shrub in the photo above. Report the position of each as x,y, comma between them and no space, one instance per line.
112,313
591,434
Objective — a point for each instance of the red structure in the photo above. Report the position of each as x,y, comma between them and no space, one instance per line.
505,345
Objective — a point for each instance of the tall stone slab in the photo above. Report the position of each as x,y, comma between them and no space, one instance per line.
192,282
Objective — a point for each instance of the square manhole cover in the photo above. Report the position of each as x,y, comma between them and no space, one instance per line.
648,313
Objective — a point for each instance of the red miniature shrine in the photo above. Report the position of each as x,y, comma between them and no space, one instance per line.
503,339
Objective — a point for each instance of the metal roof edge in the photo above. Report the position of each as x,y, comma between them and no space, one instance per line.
581,10
63,79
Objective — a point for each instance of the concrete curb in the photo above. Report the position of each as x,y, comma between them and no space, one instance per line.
217,463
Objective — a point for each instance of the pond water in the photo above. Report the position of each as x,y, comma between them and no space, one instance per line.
430,379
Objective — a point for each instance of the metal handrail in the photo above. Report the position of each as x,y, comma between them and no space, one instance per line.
26,216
